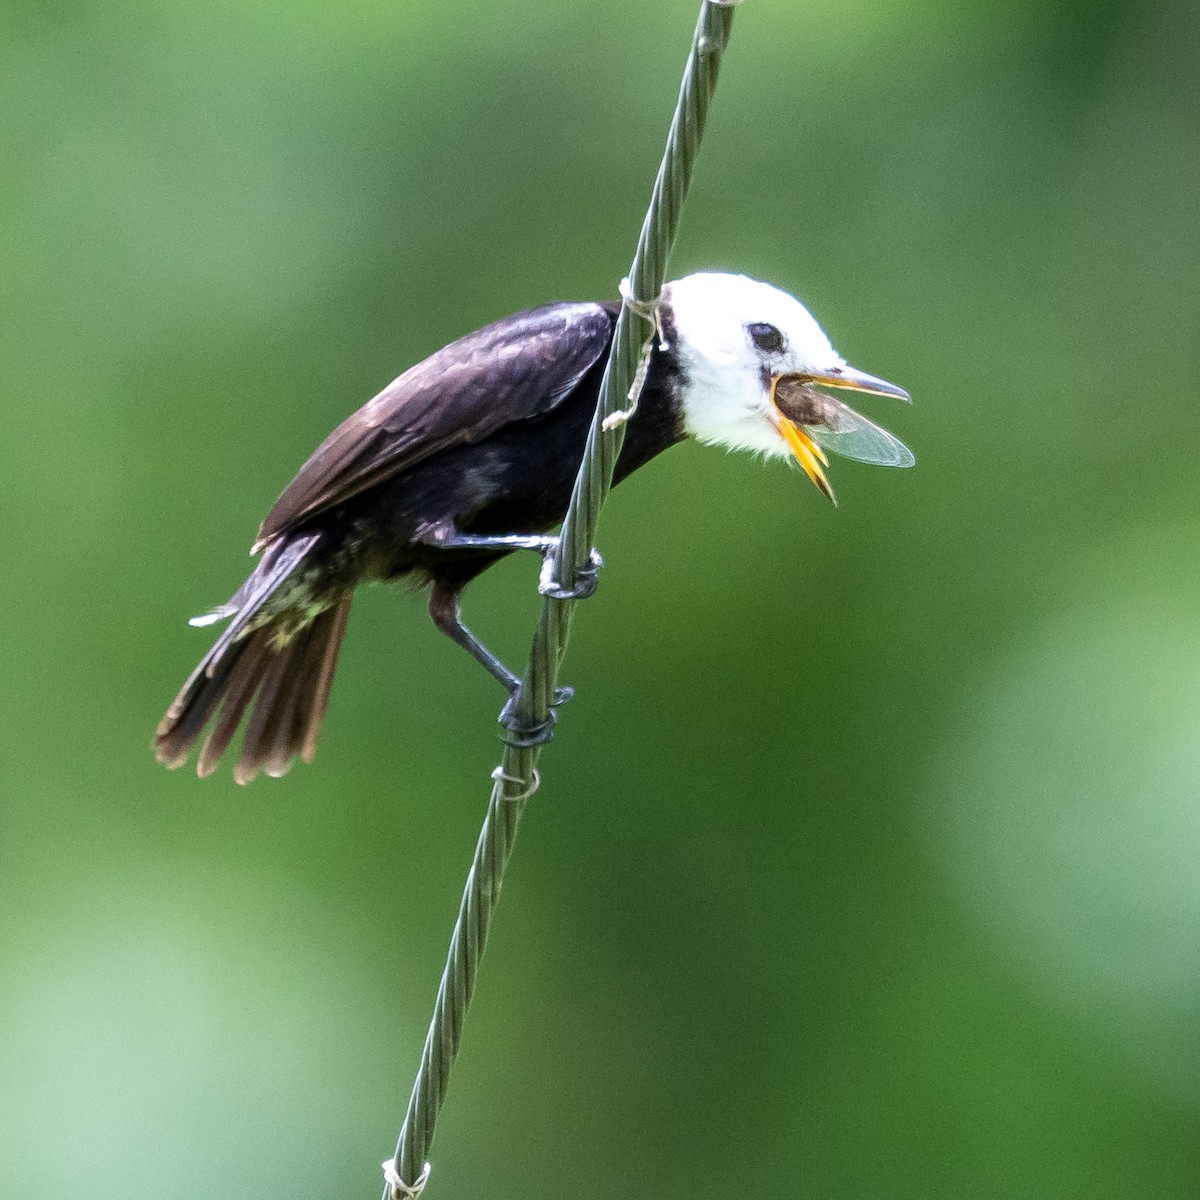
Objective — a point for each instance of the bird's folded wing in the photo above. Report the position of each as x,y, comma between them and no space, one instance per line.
514,370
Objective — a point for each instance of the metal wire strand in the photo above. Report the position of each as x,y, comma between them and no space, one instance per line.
516,777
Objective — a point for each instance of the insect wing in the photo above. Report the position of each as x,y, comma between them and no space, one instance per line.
851,435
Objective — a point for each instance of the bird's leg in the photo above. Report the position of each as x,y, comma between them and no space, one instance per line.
445,611
446,614
444,536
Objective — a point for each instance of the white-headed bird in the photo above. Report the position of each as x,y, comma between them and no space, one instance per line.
472,454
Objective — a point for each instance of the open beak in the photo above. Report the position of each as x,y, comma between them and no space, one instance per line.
800,396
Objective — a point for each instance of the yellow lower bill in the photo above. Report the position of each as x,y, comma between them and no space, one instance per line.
808,454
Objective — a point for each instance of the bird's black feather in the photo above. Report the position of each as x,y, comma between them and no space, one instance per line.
513,370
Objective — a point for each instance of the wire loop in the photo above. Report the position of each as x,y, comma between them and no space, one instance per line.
650,310
501,778
401,1190
644,308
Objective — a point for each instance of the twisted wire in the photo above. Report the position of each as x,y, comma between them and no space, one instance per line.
516,777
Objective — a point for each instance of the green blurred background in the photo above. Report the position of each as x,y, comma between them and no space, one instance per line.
867,862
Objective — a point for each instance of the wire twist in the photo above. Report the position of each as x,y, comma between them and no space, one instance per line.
398,1189
516,778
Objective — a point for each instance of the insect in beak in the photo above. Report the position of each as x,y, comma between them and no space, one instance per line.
811,422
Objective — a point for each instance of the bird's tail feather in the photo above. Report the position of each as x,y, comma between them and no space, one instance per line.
290,670
291,681
276,565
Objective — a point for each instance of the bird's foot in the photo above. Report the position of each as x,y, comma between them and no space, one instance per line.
444,536
586,580
522,734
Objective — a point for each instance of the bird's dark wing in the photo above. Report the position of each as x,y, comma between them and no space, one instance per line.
513,370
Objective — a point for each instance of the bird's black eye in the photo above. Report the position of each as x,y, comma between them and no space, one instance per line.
765,337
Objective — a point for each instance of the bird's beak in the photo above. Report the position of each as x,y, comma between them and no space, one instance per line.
858,381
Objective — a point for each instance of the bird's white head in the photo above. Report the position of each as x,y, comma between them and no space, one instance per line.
750,355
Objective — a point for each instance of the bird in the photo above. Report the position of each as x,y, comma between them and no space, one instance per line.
471,455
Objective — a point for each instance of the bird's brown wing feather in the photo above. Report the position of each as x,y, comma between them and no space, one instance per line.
513,370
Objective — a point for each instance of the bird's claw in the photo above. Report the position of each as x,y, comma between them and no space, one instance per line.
586,580
523,736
